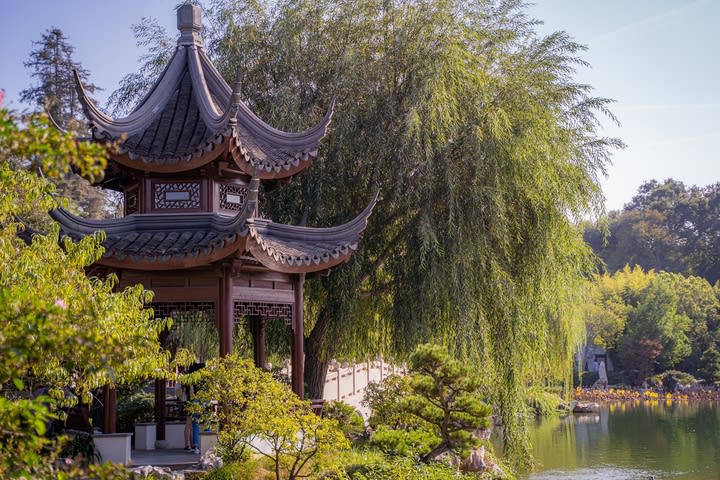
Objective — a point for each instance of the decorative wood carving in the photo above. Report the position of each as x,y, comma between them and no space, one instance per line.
263,310
168,309
232,197
176,195
132,204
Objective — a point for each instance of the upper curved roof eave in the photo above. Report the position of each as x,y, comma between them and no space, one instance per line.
223,115
248,120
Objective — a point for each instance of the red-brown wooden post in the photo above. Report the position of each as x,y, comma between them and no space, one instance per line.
226,312
160,392
257,327
298,350
160,396
110,409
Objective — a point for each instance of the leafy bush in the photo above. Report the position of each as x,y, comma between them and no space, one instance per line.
414,443
406,469
350,421
136,408
384,399
668,379
257,410
81,447
235,471
710,369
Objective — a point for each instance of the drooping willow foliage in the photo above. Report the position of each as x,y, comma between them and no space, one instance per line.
484,150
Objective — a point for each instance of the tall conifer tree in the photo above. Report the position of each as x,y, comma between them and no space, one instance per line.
51,65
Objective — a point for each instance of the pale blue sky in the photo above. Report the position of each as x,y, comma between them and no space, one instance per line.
657,58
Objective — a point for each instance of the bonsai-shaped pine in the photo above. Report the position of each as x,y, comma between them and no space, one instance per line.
446,394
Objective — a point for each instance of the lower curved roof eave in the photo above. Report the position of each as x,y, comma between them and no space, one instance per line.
186,262
300,249
161,242
278,265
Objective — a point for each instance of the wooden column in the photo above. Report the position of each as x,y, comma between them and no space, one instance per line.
298,345
227,314
160,393
109,410
257,327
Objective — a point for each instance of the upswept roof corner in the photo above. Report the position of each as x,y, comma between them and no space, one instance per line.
190,116
296,249
276,154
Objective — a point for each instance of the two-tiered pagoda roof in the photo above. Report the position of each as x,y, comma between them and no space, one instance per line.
186,153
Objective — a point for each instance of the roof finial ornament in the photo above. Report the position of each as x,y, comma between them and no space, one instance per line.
189,22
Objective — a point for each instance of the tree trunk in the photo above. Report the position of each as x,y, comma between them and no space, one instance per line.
317,356
436,452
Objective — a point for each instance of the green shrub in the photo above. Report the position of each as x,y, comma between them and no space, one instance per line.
406,469
81,447
668,379
414,443
138,407
710,369
235,471
384,399
257,410
350,421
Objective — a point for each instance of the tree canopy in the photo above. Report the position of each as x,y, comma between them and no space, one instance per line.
656,321
667,226
482,145
52,65
59,328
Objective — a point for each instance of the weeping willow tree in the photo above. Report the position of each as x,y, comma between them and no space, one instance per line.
484,150
195,332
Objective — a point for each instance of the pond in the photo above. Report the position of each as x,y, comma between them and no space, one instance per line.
631,441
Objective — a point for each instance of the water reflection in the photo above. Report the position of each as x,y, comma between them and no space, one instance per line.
634,440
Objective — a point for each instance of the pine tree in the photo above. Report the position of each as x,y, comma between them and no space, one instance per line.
52,65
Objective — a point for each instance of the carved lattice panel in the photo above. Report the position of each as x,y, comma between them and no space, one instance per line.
232,197
264,310
171,309
176,195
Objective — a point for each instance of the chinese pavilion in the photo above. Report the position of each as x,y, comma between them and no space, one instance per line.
190,161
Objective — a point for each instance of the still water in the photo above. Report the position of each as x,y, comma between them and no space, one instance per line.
631,441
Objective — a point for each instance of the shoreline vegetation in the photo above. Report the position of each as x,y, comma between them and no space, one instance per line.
629,394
